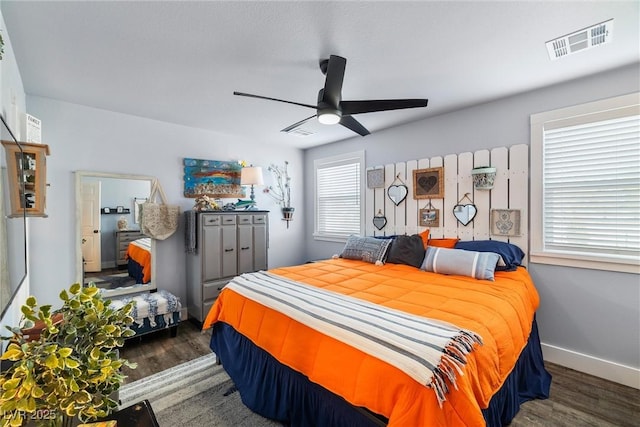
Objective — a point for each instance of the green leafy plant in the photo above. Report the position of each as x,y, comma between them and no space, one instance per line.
73,368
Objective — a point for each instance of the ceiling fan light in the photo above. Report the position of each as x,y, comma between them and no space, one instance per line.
329,118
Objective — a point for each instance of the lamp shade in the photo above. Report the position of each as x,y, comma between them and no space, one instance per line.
251,175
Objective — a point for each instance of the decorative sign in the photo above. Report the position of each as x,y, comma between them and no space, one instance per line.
428,183
429,217
375,178
212,178
505,222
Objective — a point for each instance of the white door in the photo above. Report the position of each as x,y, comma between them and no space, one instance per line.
90,226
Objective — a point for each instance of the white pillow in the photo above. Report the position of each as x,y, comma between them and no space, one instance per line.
478,265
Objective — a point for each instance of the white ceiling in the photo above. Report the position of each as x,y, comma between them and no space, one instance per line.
180,61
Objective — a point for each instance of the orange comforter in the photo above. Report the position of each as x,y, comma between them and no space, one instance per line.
501,312
142,257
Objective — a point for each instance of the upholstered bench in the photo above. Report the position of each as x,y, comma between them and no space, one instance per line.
152,311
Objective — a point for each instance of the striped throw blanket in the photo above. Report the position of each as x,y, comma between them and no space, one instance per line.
144,243
428,350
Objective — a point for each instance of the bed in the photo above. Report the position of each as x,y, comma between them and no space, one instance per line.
301,374
139,260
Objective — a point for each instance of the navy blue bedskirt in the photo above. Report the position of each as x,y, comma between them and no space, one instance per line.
276,391
135,270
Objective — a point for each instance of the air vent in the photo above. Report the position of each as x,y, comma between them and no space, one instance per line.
587,38
300,132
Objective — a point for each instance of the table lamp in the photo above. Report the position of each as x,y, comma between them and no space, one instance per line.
251,175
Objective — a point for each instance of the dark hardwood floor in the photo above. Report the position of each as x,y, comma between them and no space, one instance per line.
577,399
158,351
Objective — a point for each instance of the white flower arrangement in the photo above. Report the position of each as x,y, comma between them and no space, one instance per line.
281,191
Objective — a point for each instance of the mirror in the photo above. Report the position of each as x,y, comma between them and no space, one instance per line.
464,213
111,251
13,241
397,193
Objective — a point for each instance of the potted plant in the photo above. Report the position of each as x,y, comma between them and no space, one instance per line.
281,192
72,368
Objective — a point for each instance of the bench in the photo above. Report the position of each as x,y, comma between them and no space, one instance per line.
152,311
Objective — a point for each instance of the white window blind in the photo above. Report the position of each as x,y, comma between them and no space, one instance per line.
585,185
338,196
592,187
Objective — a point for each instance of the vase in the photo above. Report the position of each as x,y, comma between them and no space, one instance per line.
287,214
123,224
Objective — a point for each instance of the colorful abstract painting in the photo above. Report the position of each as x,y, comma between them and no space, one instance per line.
212,178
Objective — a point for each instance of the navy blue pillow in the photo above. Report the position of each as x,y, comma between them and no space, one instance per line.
511,254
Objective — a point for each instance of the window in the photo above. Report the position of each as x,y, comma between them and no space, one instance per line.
338,196
585,185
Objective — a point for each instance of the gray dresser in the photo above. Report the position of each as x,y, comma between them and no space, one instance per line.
123,238
229,243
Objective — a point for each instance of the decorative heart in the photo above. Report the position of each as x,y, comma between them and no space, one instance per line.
397,193
379,222
465,213
427,182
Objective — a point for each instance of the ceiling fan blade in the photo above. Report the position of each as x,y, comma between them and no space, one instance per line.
333,82
273,99
300,123
351,123
356,107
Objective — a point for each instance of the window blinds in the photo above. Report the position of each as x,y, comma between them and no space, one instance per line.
338,198
591,182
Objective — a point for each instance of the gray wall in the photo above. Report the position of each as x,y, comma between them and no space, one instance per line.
594,313
89,139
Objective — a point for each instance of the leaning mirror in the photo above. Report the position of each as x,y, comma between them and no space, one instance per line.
13,242
111,251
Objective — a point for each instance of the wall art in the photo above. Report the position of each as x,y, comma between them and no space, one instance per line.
212,178
465,213
505,222
375,178
379,220
429,217
397,192
428,183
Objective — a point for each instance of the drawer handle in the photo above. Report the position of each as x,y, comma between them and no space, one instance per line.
245,248
228,250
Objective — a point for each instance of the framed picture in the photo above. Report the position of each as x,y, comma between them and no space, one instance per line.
505,222
375,178
213,178
429,217
428,183
106,210
119,209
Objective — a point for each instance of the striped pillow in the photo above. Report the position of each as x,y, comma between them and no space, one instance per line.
478,265
368,249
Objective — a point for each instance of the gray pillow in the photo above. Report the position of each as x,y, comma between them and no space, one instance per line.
479,265
406,250
368,249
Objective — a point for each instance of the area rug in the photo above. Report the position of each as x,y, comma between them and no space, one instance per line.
197,393
113,281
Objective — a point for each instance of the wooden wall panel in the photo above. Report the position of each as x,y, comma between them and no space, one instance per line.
510,191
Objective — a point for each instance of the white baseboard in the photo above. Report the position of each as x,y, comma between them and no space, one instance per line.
606,369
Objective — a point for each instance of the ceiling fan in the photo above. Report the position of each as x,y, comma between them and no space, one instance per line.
331,109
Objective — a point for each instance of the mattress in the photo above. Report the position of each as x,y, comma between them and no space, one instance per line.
500,311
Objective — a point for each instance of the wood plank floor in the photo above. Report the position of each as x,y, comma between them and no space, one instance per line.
577,399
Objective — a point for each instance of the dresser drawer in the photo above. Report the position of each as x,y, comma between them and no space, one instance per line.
244,219
210,220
